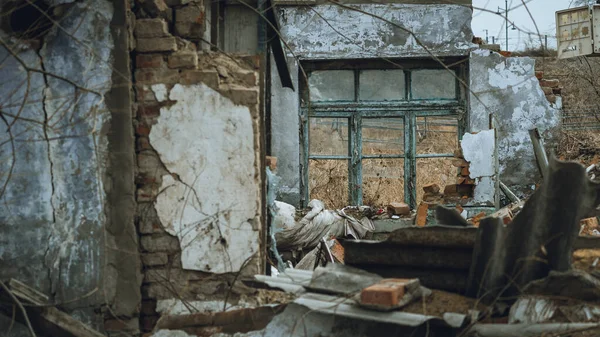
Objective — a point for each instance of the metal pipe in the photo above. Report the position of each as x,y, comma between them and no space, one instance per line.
509,194
538,150
506,17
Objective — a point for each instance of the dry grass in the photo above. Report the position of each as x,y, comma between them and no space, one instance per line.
580,146
383,179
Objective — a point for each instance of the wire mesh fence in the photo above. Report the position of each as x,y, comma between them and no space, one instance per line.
581,119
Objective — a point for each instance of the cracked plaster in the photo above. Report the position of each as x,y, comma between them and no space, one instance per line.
210,201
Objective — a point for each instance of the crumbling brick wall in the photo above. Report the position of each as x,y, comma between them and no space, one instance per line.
180,89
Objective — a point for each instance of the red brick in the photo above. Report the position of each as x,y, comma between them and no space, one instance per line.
432,198
539,75
154,76
421,219
386,293
550,83
465,171
143,143
149,61
271,162
148,322
431,188
398,208
183,59
460,163
148,110
209,77
142,130
547,90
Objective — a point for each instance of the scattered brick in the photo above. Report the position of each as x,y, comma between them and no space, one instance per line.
271,162
183,59
387,293
431,188
398,208
163,44
432,198
421,218
151,28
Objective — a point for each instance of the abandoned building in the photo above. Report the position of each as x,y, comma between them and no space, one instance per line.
135,137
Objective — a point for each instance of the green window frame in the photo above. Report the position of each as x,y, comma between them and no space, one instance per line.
406,109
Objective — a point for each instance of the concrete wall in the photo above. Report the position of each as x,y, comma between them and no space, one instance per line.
331,32
60,200
507,89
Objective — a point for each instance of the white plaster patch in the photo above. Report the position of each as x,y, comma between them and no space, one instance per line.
177,307
480,151
208,141
170,333
160,92
485,190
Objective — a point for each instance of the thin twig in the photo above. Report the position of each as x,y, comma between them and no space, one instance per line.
20,305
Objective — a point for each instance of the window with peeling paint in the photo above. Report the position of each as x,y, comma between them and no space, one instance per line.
374,134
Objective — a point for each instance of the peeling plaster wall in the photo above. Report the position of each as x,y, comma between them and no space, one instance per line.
348,34
54,210
333,32
508,89
212,205
479,149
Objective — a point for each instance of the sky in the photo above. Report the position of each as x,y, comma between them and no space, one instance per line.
543,12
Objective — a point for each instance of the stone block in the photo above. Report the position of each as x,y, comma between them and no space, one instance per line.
189,21
387,293
156,76
398,208
550,83
151,28
431,188
160,243
149,61
153,45
209,77
155,259
183,59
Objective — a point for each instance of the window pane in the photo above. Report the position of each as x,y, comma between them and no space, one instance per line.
328,181
382,136
331,85
328,136
437,134
439,171
382,85
433,84
383,181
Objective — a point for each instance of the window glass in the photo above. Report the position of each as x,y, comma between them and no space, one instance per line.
382,136
382,85
328,136
433,84
331,85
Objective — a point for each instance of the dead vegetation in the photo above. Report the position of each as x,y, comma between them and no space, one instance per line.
383,178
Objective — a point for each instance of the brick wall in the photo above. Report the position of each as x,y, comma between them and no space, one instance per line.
167,43
551,87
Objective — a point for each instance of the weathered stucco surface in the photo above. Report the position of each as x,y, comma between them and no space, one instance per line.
507,89
211,199
54,210
376,30
480,151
